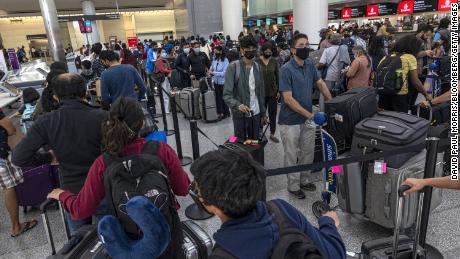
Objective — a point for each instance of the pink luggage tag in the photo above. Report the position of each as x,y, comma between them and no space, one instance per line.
233,139
337,169
380,167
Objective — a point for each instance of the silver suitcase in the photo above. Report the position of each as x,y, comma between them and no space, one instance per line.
351,188
190,102
208,106
382,195
197,243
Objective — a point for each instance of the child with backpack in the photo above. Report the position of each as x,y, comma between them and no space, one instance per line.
231,185
30,96
130,166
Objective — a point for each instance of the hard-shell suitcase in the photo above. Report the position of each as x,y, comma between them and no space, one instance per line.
190,102
208,106
197,243
38,182
351,188
389,130
83,244
347,109
397,247
381,192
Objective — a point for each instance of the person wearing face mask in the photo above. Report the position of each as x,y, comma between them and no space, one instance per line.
270,71
182,65
87,72
198,61
162,66
119,80
298,77
218,68
244,91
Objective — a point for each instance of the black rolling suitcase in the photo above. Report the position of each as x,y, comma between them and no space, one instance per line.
396,247
349,108
388,130
83,244
197,243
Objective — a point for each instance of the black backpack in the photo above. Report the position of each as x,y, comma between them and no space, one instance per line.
292,244
389,78
141,175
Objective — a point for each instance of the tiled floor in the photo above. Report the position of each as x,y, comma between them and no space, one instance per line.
444,230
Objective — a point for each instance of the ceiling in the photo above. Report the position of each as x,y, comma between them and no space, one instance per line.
24,7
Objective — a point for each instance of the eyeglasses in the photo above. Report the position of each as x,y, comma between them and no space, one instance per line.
195,194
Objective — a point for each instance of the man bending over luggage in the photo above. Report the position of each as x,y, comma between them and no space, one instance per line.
120,139
72,132
230,185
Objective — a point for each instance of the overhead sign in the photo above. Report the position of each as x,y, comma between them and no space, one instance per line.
268,21
406,7
333,14
346,13
279,20
358,11
444,5
291,19
372,10
250,23
36,37
132,42
259,23
421,6
88,27
388,9
96,17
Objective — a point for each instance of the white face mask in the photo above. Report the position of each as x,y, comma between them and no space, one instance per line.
164,54
187,51
196,50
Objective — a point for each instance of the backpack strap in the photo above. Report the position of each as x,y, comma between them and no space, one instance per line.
236,64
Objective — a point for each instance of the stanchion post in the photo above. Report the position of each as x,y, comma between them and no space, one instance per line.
195,143
430,169
184,160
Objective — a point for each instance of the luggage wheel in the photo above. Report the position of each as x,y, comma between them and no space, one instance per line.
319,208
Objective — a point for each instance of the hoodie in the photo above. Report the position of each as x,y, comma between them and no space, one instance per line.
255,235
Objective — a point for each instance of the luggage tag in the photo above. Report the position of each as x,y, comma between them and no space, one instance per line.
337,169
380,167
338,117
233,139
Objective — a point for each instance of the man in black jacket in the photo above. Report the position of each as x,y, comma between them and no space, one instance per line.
183,66
72,132
199,62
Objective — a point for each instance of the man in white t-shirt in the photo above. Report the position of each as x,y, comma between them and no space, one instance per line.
244,92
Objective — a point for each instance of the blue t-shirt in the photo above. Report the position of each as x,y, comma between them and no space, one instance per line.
299,80
119,81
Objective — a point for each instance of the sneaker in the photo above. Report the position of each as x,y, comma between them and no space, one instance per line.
274,139
298,194
309,187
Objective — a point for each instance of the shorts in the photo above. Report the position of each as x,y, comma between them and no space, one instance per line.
10,176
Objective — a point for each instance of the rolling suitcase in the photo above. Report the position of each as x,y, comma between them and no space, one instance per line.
208,106
349,108
190,102
397,247
197,243
381,192
83,244
389,130
351,188
38,182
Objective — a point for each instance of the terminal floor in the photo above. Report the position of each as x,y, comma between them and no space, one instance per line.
443,232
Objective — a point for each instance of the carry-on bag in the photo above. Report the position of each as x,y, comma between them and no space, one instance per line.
351,188
190,102
347,109
83,244
381,191
208,106
388,130
197,243
397,247
38,182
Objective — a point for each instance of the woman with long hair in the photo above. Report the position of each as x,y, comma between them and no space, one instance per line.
359,73
218,68
120,138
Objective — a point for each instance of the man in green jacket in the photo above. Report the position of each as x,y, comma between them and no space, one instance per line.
244,92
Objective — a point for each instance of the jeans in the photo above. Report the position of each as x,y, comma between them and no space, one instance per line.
271,103
74,225
247,128
299,145
221,106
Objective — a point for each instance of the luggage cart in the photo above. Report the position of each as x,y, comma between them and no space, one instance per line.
329,153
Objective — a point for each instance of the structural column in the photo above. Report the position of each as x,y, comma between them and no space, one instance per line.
310,16
89,9
232,17
50,19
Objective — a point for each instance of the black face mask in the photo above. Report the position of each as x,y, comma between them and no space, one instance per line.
250,54
267,55
303,53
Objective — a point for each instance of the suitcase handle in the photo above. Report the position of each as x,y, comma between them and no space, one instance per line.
402,189
46,204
